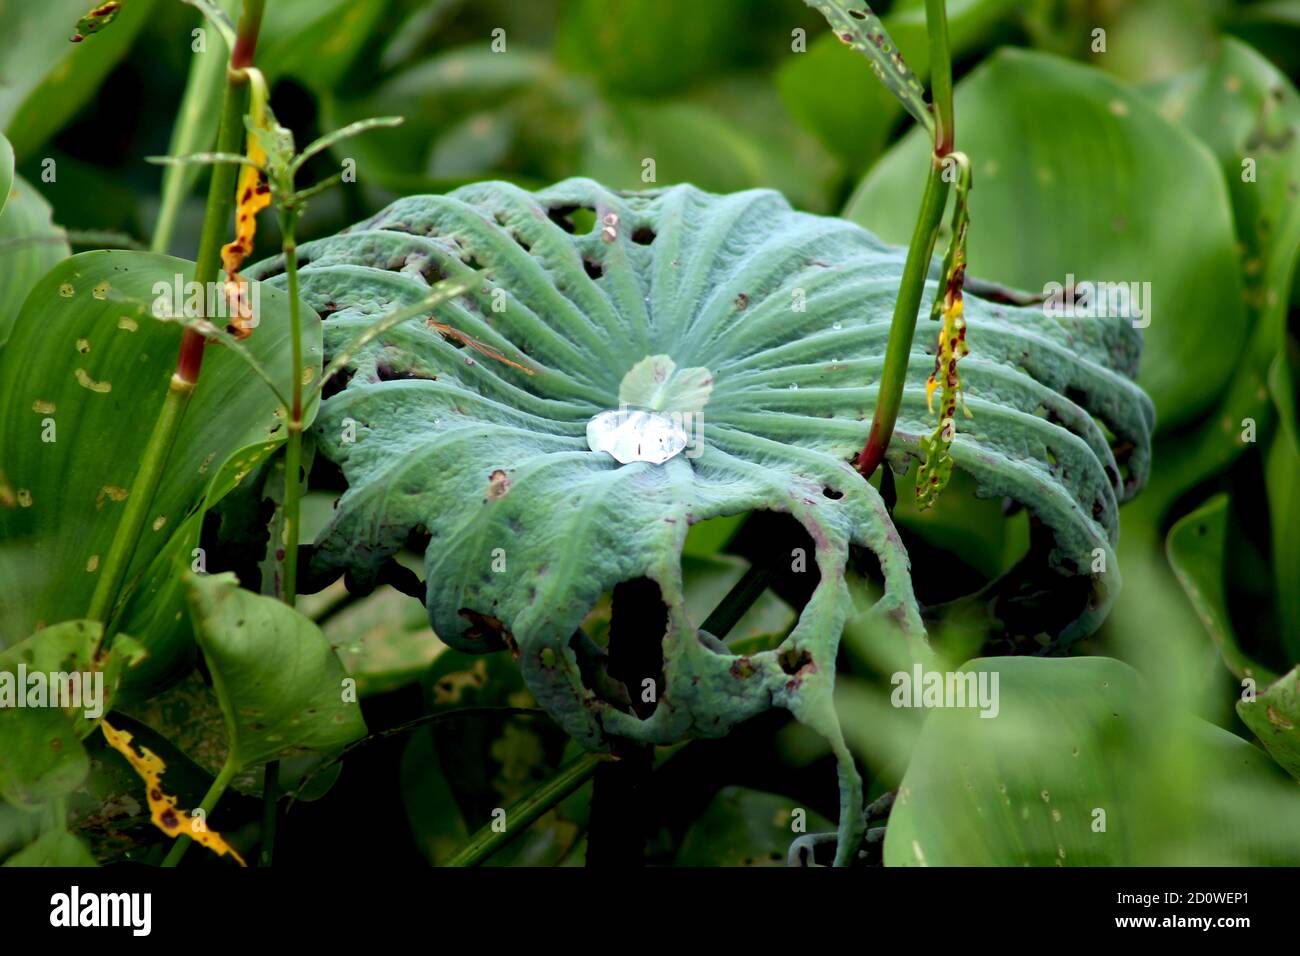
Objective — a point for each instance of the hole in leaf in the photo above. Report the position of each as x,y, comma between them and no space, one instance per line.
643,236
593,268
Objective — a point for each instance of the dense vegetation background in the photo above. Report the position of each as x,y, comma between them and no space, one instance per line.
1117,155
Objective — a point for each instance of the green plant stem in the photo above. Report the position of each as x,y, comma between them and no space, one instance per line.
141,497
221,194
293,445
524,813
919,251
936,25
903,326
209,803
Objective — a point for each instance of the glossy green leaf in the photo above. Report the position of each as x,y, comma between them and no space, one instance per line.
54,848
281,687
81,380
1282,478
1084,766
1248,114
1063,155
47,78
1196,547
788,313
1274,716
30,245
743,827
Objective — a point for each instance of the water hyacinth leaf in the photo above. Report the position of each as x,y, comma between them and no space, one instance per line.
743,827
6,170
30,245
789,313
1062,154
54,848
1248,113
68,649
1196,548
1084,766
1274,717
46,78
858,27
81,380
281,687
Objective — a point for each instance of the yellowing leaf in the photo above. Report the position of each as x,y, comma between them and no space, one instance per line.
162,806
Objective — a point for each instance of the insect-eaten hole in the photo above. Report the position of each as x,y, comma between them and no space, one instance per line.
777,542
643,235
624,666
793,660
832,493
386,372
573,218
593,268
336,383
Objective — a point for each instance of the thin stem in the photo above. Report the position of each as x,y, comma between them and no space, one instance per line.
903,326
526,812
936,24
738,600
140,499
270,812
189,360
919,251
182,844
293,450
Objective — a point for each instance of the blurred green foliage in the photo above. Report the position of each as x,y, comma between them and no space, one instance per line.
1113,155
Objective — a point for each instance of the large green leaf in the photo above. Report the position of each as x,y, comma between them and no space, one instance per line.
493,464
281,687
45,78
1063,157
87,366
1083,765
1248,114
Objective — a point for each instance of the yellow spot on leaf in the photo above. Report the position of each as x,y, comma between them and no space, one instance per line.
127,325
162,806
66,290
110,491
43,408
101,291
24,498
85,381
159,521
83,346
93,564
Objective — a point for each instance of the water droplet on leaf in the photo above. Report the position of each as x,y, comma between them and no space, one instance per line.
635,435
